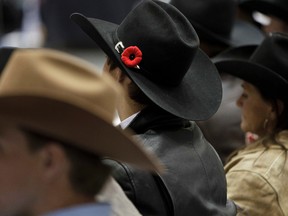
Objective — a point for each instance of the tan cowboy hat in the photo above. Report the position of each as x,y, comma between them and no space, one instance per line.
63,97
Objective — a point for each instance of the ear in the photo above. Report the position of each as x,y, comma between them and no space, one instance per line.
124,78
116,72
53,161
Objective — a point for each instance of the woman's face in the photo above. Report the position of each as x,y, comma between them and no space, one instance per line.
254,109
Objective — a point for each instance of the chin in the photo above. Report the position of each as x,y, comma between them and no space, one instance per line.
244,127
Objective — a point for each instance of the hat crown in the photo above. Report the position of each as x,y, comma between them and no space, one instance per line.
59,77
273,54
166,38
206,14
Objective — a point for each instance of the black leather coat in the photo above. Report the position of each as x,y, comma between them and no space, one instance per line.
194,182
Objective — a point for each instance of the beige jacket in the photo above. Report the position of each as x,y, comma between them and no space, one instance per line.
120,204
257,179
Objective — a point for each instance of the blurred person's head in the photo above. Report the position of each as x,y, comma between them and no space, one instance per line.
264,101
217,25
271,15
56,115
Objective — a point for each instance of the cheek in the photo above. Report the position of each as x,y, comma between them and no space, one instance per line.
18,187
252,120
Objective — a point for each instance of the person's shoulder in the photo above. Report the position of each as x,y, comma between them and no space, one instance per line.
265,161
114,194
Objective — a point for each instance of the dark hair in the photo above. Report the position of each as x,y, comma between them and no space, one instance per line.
282,124
87,174
111,63
282,118
135,93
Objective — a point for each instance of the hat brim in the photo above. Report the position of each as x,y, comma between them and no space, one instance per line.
197,97
242,33
65,122
254,73
235,53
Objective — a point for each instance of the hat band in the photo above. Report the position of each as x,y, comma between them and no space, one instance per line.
119,47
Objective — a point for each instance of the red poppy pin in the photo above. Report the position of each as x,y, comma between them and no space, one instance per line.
131,56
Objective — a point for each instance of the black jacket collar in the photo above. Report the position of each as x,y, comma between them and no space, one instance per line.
153,117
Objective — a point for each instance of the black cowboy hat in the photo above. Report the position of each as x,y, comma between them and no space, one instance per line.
267,67
235,53
277,8
216,21
174,73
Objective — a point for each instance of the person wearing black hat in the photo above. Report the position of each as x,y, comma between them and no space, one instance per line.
256,174
154,53
219,29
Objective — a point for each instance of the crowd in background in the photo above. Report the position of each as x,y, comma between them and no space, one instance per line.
199,85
